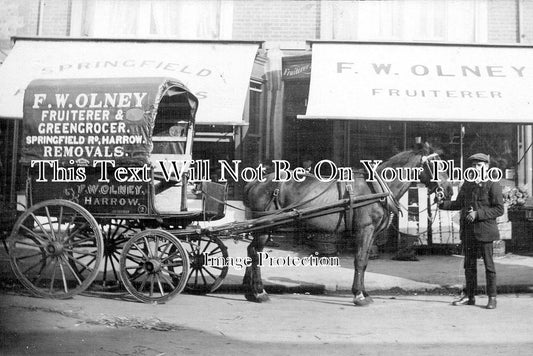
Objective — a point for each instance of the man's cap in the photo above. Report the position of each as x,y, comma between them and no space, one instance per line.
481,157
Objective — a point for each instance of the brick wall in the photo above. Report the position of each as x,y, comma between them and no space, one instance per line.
276,20
281,20
56,18
502,25
527,21
29,10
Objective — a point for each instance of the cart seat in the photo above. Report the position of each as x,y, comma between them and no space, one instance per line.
169,195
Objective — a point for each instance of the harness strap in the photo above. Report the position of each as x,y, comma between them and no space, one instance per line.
349,213
390,203
274,199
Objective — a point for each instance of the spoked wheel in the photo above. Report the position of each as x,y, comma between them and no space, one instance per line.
115,233
47,241
154,266
206,276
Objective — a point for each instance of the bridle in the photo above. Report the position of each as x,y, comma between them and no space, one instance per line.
437,189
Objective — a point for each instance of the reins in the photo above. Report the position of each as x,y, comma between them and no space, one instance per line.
389,201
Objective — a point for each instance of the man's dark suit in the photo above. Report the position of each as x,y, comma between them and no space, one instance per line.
487,200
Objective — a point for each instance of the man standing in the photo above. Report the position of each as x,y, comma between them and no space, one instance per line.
480,204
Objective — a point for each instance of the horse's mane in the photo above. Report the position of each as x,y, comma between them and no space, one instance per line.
247,188
250,185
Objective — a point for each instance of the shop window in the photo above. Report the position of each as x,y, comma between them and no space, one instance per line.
185,19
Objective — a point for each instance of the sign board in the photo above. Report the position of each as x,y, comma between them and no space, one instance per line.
296,71
80,121
421,82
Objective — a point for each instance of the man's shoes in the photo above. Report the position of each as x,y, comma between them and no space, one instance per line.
492,303
465,301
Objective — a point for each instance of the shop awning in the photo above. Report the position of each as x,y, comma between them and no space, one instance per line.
421,82
218,73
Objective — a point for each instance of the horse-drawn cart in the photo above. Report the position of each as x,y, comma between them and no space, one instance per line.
99,206
107,163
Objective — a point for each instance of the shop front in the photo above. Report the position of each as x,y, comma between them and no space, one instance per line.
207,68
370,100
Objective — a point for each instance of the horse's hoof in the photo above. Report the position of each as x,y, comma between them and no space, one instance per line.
369,299
361,302
257,298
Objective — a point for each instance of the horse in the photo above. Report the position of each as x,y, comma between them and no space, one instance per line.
361,223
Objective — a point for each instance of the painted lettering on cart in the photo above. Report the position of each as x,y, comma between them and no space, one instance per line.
86,125
109,201
105,194
93,100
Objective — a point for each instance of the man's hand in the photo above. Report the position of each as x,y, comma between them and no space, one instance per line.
439,199
471,216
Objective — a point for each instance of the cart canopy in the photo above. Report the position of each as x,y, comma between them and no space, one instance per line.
78,121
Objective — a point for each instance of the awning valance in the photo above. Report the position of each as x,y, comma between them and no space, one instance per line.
421,82
218,73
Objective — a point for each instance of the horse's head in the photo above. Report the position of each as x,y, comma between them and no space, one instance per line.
436,183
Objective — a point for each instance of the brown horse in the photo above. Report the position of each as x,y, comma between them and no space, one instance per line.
363,223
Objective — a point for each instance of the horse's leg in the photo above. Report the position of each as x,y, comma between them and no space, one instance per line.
365,293
252,282
364,238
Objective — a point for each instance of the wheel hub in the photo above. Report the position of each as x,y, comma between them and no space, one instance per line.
197,261
55,248
152,266
109,247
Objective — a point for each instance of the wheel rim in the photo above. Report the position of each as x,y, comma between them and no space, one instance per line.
152,266
55,249
206,277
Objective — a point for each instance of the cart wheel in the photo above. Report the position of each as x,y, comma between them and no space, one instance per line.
115,233
49,239
154,266
204,277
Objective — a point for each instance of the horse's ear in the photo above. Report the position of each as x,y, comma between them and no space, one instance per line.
429,157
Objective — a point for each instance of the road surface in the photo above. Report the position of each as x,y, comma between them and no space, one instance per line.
290,324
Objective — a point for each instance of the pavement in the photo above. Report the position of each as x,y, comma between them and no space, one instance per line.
429,274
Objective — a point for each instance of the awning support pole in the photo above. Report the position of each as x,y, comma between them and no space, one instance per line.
13,188
461,135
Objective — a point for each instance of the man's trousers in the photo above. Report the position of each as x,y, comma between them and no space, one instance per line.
472,249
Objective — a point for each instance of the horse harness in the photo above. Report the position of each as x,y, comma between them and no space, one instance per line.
274,199
346,191
389,203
